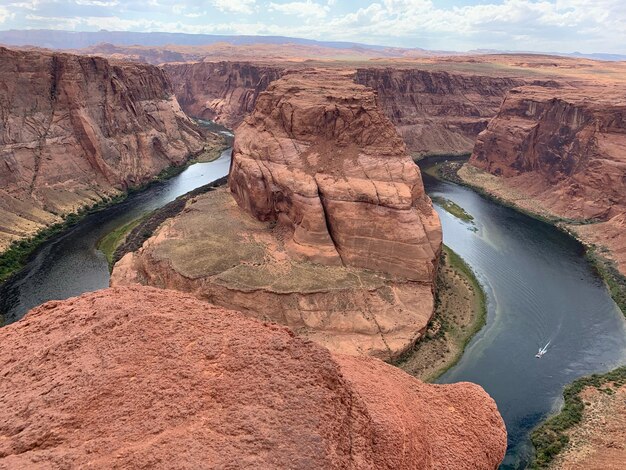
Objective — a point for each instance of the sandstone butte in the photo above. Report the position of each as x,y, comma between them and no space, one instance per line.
74,130
561,152
148,378
435,111
329,232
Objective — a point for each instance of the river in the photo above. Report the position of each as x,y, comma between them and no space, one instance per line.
539,289
70,264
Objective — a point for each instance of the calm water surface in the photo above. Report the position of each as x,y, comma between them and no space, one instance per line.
71,264
540,289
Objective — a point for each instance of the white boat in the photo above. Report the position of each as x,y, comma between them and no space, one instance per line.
542,351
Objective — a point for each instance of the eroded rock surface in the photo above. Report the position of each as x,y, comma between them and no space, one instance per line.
76,129
221,91
142,377
320,158
333,235
437,112
220,254
563,153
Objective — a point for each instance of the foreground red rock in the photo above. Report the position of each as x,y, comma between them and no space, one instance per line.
343,243
76,129
561,152
142,377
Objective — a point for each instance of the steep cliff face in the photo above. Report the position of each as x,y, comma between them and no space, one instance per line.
74,129
563,151
155,378
437,112
343,242
222,91
318,156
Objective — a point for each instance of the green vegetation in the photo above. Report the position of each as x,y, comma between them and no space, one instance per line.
607,269
440,157
458,335
616,282
18,253
463,336
550,438
109,243
453,208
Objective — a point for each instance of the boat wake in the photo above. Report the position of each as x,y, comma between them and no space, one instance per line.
543,350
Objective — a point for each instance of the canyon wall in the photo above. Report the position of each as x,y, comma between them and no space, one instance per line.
435,112
324,161
221,91
329,230
143,377
562,153
76,129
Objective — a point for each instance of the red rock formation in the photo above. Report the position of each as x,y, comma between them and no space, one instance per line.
344,243
436,111
319,157
74,129
141,377
221,91
563,150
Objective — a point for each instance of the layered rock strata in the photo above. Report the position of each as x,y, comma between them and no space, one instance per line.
221,91
561,153
76,129
143,377
318,156
437,112
332,235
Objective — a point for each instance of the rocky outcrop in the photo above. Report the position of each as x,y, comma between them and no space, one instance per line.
319,157
343,243
437,112
563,151
221,91
75,129
142,377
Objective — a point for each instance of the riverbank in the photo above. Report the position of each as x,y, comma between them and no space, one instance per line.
590,430
592,417
460,312
491,187
19,252
131,236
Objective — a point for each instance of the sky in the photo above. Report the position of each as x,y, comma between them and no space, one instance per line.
526,25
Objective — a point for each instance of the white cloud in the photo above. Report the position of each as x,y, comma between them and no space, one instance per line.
307,9
235,6
549,25
97,3
5,14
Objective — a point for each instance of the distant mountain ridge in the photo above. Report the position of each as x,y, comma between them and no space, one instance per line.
59,39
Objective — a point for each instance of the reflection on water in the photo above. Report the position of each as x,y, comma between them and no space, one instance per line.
540,289
70,264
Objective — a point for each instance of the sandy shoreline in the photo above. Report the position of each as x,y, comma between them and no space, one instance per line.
460,313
